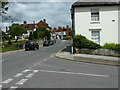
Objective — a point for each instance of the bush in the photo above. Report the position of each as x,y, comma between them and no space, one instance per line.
111,46
82,42
68,37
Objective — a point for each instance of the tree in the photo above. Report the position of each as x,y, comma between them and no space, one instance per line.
31,36
43,32
4,7
17,30
35,35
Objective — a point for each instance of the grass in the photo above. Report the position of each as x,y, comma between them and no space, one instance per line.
5,49
11,47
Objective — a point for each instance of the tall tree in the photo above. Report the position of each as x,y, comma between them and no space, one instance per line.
31,36
35,35
4,7
43,32
17,30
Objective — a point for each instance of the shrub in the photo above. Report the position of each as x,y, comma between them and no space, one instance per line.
68,37
82,42
111,46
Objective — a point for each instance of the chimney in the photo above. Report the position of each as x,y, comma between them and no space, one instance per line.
44,20
25,22
67,26
33,22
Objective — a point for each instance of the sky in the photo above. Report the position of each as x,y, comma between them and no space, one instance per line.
55,13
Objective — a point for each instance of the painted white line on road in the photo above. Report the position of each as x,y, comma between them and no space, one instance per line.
35,71
29,75
74,73
45,60
22,81
13,87
3,60
26,70
18,75
0,86
7,81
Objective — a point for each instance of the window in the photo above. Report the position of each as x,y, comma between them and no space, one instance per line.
94,14
95,36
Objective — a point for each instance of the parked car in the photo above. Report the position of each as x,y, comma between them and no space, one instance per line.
46,43
54,41
30,45
51,42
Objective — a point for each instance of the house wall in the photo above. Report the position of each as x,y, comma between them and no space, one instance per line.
107,27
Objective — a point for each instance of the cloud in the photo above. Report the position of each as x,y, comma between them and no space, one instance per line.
56,13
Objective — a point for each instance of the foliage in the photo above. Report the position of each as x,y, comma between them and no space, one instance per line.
43,32
68,37
111,46
4,6
35,35
31,36
9,42
82,42
17,30
4,36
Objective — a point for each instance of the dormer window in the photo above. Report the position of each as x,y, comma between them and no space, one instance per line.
95,15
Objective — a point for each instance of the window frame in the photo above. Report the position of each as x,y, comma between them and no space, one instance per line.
95,15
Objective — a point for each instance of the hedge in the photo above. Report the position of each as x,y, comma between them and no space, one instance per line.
82,42
111,46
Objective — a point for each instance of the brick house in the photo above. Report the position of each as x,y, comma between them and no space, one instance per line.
61,32
32,27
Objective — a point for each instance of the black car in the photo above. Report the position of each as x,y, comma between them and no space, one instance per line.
29,45
46,43
51,42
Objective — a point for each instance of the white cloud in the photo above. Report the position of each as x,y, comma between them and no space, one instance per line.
56,13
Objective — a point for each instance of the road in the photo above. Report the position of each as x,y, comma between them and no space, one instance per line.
41,69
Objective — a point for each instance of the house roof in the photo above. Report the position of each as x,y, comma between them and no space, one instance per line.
33,26
29,26
44,24
83,3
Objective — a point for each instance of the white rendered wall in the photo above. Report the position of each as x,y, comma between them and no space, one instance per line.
108,24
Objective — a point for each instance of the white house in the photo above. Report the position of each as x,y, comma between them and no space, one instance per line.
98,20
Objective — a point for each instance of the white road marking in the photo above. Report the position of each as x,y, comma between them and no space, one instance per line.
45,60
51,56
0,86
29,75
3,60
35,71
7,81
14,87
22,81
18,75
26,70
96,75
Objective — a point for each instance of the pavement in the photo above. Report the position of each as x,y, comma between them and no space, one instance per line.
95,59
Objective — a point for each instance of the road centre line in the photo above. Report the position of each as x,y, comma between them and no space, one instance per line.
22,81
18,75
26,70
3,60
13,87
7,81
29,75
0,86
35,71
96,75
